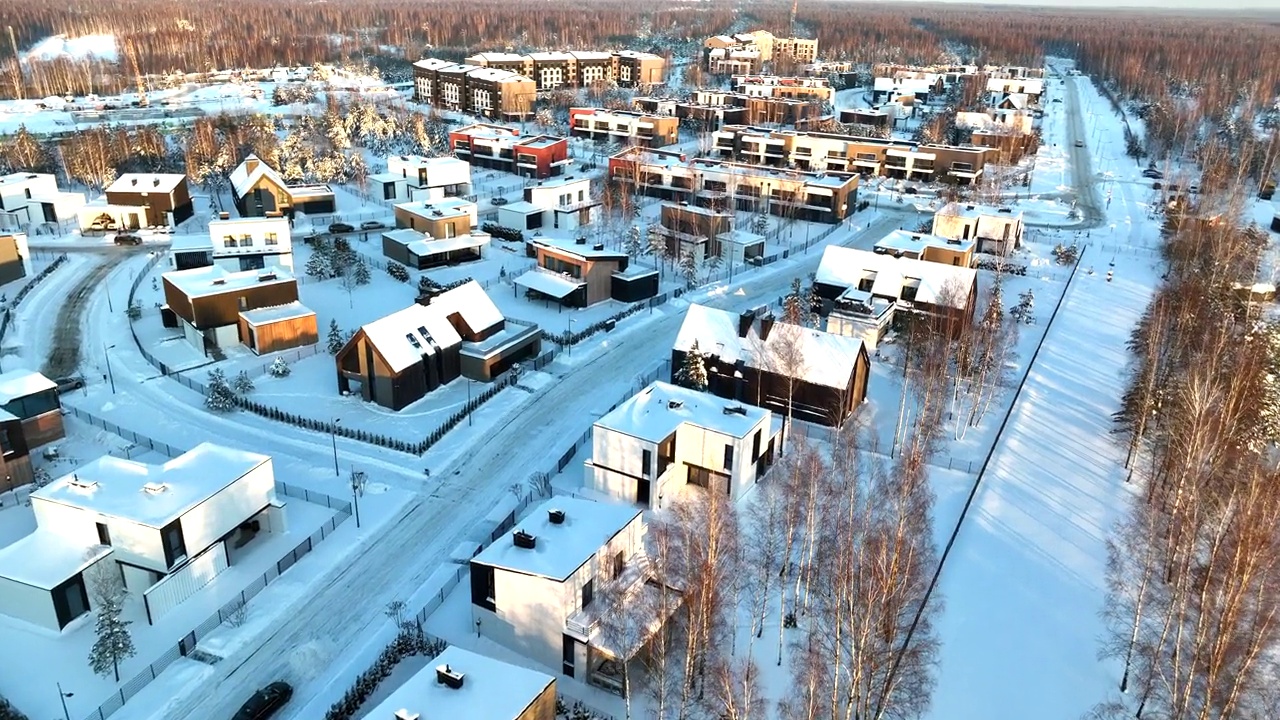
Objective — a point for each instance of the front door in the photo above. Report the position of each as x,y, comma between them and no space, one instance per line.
642,492
70,600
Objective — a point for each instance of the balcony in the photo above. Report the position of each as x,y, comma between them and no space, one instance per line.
582,624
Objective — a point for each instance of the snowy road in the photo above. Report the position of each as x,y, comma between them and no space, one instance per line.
347,603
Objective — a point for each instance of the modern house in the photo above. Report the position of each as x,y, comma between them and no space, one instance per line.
414,177
210,305
260,191
922,246
534,590
34,198
442,219
578,274
794,371
169,529
30,416
489,92
419,250
396,360
622,126
812,89
241,244
705,233
998,230
15,258
998,88
463,684
666,437
867,291
502,148
578,68
140,200
563,203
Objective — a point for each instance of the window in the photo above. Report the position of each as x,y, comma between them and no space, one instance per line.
728,457
228,242
666,453
272,239
243,304
175,548
619,565
389,191
588,592
449,231
646,460
582,195
482,587
567,654
755,446
246,240
32,405
104,535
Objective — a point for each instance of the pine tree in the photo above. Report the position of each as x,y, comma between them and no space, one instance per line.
360,272
279,368
335,339
243,384
658,247
1024,311
9,712
693,371
793,312
760,224
318,264
112,644
220,398
634,245
689,269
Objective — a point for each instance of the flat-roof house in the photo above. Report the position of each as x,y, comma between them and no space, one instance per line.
442,219
578,273
208,304
34,198
502,148
998,230
15,258
260,191
534,590
751,358
138,200
187,516
250,243
32,398
414,177
461,684
923,246
396,360
419,250
667,436
631,128
706,233
563,203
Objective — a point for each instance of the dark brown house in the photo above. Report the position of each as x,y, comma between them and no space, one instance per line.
750,358
259,191
30,416
215,307
396,360
165,196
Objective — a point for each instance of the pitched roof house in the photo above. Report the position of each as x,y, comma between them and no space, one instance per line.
260,191
755,358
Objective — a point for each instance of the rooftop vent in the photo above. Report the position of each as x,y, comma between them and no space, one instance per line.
675,404
155,488
968,207
580,241
437,213
598,247
134,181
224,216
219,281
556,517
524,540
76,482
1005,210
156,182
403,714
735,410
266,277
447,676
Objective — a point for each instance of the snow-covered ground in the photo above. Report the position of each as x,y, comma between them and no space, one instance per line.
83,47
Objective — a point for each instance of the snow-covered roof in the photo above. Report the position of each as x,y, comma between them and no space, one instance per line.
636,54
496,57
314,190
386,177
590,55
24,178
549,283
650,415
151,495
828,360
573,247
439,209
551,56
215,280
521,206
404,236
740,237
472,302
432,64
147,182
426,246
560,548
45,559
401,338
242,178
491,690
905,241
189,242
968,210
21,383
847,267
495,75
276,313
235,226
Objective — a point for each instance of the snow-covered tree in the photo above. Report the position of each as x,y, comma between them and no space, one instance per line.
360,271
693,371
279,368
793,310
398,271
1024,311
9,712
689,269
243,384
220,398
318,264
658,247
112,643
760,224
335,339
633,246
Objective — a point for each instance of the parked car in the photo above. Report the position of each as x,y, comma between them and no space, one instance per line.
126,239
67,384
1057,100
340,227
312,238
1152,173
265,702
1079,143
499,200
372,225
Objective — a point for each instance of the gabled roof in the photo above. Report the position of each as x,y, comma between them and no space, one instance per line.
847,267
405,336
242,179
560,548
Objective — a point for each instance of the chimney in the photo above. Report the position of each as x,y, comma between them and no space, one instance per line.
744,323
675,404
556,517
598,247
264,277
580,241
156,182
524,540
766,324
224,216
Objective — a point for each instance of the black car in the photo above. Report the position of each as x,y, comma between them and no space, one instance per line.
265,702
341,228
125,239
499,200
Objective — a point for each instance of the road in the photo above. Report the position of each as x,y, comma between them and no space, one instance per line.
1082,177
64,355
347,602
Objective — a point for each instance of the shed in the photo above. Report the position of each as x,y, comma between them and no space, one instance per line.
279,327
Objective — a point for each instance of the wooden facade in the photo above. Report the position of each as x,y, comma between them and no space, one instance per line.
158,205
276,335
221,308
12,264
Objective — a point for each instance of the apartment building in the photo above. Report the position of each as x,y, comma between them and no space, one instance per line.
666,437
997,230
622,126
502,148
796,88
577,68
485,91
847,153
715,109
749,51
806,195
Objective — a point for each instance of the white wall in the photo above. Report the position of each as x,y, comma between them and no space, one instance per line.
578,190
440,172
24,602
257,230
269,262
131,543
530,616
209,521
138,580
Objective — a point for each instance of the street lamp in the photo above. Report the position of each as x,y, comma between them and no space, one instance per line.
333,435
357,488
63,697
569,336
111,376
469,381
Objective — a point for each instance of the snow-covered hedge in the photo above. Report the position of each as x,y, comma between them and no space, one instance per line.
9,712
407,644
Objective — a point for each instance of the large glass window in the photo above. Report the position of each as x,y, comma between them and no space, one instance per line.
30,406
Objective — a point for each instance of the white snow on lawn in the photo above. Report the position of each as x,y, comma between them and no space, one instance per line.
102,47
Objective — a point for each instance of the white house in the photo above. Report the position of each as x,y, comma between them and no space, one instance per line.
563,203
180,522
462,684
998,230
666,436
251,243
414,177
34,198
533,589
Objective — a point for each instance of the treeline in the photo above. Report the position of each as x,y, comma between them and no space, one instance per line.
1194,570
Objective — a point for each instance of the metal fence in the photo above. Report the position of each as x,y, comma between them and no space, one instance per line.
136,438
16,496
232,607
26,290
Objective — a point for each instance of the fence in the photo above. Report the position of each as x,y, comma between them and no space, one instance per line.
16,496
26,290
177,586
234,606
133,437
